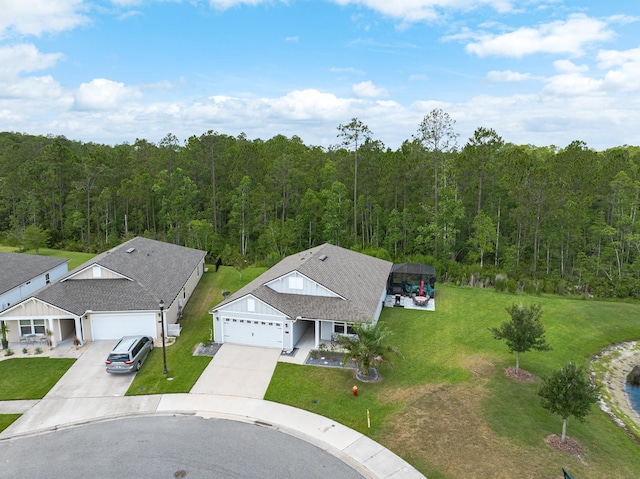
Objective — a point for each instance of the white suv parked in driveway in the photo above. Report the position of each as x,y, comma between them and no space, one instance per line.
129,354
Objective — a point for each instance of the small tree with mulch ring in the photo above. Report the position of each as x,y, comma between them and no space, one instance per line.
569,392
524,332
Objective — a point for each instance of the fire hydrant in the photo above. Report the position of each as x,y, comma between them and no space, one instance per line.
354,390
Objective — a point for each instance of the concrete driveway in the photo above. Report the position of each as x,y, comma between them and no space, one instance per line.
87,377
237,370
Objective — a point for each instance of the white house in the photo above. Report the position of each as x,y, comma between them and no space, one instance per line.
325,288
117,293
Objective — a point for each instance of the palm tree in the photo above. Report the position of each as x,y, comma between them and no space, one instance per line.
368,347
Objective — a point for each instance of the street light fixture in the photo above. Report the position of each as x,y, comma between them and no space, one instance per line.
164,349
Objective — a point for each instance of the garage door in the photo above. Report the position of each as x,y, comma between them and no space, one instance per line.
114,326
252,333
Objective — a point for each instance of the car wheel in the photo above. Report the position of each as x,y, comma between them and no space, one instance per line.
151,347
138,364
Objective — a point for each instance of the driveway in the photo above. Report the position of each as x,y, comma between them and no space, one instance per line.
87,377
238,370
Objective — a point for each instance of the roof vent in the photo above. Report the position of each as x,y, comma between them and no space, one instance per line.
322,257
131,250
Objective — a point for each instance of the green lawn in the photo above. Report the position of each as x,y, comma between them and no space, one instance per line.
185,368
30,378
75,258
7,420
446,405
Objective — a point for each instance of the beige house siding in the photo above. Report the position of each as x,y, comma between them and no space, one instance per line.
91,273
172,310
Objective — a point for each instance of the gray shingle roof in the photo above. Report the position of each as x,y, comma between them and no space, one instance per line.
79,296
18,268
157,271
356,277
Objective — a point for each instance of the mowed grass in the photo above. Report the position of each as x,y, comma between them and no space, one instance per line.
75,258
183,367
30,378
446,405
7,420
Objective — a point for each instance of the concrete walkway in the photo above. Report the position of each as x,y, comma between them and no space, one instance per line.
212,400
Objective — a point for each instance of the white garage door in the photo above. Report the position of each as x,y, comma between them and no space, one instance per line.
252,333
114,326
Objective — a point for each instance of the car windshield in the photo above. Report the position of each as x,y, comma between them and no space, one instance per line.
114,357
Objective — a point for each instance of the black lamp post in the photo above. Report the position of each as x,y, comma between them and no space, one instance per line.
164,349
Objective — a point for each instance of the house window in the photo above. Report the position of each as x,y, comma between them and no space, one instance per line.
97,272
251,305
343,328
32,326
47,279
295,282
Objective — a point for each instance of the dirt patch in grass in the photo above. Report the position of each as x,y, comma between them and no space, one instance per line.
480,367
441,430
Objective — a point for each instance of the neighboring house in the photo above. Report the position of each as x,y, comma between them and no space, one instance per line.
323,289
22,274
116,293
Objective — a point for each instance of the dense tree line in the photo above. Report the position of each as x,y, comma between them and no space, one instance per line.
541,218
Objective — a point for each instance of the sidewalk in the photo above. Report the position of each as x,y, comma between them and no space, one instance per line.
366,456
222,391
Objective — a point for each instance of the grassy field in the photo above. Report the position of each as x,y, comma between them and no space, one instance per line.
446,405
185,368
75,258
30,378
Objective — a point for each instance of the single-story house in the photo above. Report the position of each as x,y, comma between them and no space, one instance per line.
326,289
23,274
116,293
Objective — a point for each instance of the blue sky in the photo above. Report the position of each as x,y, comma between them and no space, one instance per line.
542,72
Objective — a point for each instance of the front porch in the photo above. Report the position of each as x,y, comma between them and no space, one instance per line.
304,346
64,349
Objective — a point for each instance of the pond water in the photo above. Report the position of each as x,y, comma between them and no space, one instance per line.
634,396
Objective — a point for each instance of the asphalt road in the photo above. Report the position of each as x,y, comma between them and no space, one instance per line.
168,447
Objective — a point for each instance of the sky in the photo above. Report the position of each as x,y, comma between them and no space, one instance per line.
540,72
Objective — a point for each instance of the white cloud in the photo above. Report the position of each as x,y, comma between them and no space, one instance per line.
624,69
103,94
507,76
24,58
31,88
567,66
367,89
616,58
572,85
411,11
560,37
227,4
35,17
294,38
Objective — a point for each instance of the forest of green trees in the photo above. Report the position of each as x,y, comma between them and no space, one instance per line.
552,219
